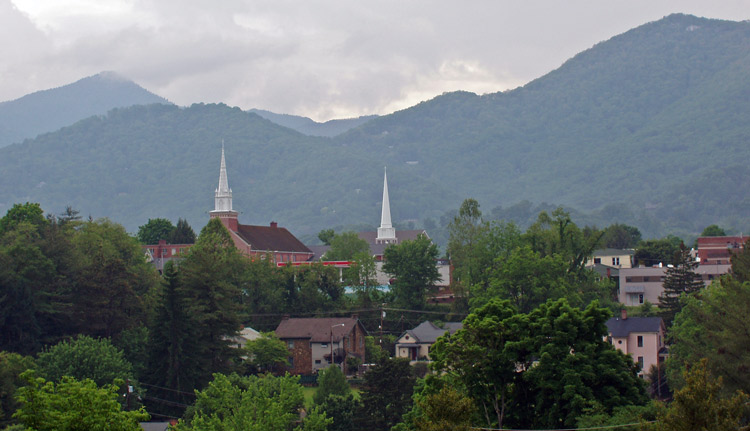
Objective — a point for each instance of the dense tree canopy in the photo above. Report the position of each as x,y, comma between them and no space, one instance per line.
251,403
73,405
412,263
346,245
84,358
385,395
155,230
573,366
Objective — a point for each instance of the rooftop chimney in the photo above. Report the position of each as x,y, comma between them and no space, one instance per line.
623,314
274,224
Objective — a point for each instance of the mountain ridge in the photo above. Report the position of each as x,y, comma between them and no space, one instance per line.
637,129
48,110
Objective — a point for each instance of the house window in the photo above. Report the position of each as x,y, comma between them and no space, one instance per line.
324,345
640,341
628,279
317,361
640,298
290,344
291,362
640,362
615,261
597,260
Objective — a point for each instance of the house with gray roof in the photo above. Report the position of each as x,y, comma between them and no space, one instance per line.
415,343
640,337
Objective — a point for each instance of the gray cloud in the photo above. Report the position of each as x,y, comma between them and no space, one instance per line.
322,59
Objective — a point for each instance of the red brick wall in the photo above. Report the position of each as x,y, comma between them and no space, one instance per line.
301,354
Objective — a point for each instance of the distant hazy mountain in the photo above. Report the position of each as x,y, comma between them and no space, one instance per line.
309,127
648,128
49,110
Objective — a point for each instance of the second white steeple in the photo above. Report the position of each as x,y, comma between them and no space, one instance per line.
386,231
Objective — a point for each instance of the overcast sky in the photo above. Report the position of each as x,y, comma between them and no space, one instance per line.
321,59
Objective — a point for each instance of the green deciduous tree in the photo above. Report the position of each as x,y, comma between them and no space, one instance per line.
112,281
681,279
154,230
326,235
342,410
557,234
413,264
250,403
331,381
267,352
573,366
699,405
621,236
84,358
345,245
655,251
447,409
467,231
713,230
73,405
22,213
712,326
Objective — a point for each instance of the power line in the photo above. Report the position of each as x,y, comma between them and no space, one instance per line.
567,429
167,389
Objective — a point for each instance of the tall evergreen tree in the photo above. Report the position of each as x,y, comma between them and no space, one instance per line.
172,371
681,279
182,233
211,274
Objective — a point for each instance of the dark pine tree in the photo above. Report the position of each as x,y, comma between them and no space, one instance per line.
182,234
681,279
172,372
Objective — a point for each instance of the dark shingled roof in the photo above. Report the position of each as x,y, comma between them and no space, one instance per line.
318,330
613,252
271,238
401,235
622,327
427,332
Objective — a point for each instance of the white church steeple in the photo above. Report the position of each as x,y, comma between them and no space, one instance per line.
223,195
386,231
223,198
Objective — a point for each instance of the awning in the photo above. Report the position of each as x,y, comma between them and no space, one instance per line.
635,289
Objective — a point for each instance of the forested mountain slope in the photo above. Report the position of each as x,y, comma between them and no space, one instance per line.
49,110
307,126
649,127
655,118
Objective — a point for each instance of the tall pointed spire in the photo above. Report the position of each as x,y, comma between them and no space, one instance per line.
386,231
223,195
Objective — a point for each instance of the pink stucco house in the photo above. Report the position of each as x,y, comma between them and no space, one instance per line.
640,337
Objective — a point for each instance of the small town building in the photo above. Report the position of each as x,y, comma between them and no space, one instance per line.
612,257
270,241
161,253
316,343
641,284
415,343
718,250
640,337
